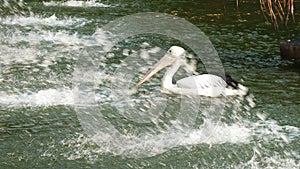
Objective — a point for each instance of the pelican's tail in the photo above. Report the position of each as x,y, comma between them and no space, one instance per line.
240,91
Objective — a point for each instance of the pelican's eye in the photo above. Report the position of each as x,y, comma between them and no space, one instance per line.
170,51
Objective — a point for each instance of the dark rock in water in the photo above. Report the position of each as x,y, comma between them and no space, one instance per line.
290,49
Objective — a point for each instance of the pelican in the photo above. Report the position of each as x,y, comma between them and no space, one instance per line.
210,85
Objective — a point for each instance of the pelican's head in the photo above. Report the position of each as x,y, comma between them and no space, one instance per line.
173,54
176,51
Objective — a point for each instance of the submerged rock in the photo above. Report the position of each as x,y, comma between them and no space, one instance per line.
290,49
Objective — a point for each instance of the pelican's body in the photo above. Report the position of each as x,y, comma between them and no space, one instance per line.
205,84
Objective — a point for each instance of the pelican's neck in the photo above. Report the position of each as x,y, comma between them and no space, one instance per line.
167,79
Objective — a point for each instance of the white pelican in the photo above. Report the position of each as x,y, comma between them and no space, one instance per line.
205,84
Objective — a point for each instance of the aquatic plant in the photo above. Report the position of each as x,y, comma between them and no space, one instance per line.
282,9
278,8
272,9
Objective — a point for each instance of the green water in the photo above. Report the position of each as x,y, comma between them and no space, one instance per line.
40,47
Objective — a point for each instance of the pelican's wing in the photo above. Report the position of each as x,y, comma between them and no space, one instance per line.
205,84
201,81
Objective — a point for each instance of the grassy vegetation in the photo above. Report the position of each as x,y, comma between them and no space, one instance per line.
275,10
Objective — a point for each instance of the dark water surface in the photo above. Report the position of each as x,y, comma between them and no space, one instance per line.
41,43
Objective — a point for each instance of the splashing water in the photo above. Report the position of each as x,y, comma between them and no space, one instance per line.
73,3
37,62
14,7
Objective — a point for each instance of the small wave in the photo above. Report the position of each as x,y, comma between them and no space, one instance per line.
270,130
73,3
280,161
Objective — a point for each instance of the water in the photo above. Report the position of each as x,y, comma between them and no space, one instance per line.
45,120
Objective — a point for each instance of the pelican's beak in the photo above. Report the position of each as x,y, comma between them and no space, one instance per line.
165,61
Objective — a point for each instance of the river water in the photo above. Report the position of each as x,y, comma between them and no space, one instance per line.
66,99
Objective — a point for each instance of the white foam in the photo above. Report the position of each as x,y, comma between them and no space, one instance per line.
47,97
24,54
145,145
9,55
68,45
38,20
71,40
219,133
76,3
82,147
